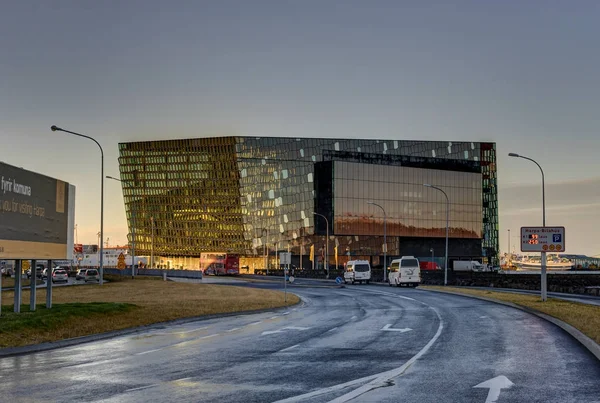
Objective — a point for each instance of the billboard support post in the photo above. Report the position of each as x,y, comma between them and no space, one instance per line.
49,285
17,286
32,286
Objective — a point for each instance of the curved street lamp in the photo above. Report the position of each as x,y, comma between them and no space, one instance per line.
326,244
447,217
132,230
544,285
384,240
58,129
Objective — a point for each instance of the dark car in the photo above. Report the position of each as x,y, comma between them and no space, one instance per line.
39,269
80,274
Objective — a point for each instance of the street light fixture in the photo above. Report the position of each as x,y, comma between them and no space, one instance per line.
58,129
133,229
326,244
447,218
543,272
384,240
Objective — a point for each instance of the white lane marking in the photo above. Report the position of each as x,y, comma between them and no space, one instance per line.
254,323
182,379
150,351
352,318
375,380
385,376
191,331
208,337
483,317
331,330
274,317
389,328
289,348
268,332
295,328
141,387
234,329
285,313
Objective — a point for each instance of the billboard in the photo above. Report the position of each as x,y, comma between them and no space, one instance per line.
36,215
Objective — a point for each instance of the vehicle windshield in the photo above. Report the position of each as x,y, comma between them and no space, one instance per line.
362,267
409,263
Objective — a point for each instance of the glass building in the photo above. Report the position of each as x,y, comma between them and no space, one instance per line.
256,195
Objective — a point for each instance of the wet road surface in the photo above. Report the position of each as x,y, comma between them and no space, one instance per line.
358,343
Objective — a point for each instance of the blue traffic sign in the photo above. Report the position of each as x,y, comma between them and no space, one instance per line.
557,238
338,280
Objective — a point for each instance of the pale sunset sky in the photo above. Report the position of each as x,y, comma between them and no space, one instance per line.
523,74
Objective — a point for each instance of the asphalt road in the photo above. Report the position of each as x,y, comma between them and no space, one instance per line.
358,343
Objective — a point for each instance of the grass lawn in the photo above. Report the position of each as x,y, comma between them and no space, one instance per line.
9,282
585,318
124,303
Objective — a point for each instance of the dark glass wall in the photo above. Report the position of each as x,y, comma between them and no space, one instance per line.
411,209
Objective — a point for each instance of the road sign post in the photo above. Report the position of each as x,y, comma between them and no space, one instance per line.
543,240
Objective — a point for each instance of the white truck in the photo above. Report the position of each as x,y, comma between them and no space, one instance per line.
468,265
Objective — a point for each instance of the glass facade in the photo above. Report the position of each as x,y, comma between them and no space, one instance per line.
247,194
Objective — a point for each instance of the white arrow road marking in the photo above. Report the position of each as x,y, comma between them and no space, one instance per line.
495,385
388,328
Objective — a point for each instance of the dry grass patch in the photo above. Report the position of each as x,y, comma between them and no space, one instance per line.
149,302
9,282
585,318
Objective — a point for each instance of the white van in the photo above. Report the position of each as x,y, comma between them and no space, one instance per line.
405,270
357,270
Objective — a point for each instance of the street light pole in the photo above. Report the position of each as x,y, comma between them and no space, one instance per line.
384,240
509,254
544,285
326,244
265,249
152,244
133,213
58,129
447,222
432,259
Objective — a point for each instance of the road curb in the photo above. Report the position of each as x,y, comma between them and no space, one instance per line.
584,340
36,348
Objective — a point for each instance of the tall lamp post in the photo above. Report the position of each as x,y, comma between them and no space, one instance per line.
447,218
326,244
58,129
509,254
543,273
265,249
384,240
132,230
432,259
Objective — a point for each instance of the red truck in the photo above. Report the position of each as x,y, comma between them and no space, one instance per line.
429,266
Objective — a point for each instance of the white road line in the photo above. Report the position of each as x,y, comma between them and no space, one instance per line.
289,348
141,387
274,317
208,337
182,379
331,330
192,331
352,318
285,313
150,351
234,329
255,323
373,381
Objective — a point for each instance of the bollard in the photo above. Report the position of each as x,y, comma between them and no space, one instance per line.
164,276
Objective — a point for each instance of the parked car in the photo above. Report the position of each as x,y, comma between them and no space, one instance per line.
81,274
7,272
59,274
91,275
38,271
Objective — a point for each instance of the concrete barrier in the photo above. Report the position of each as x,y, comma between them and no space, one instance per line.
196,274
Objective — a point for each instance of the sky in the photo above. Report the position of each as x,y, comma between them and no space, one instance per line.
521,74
